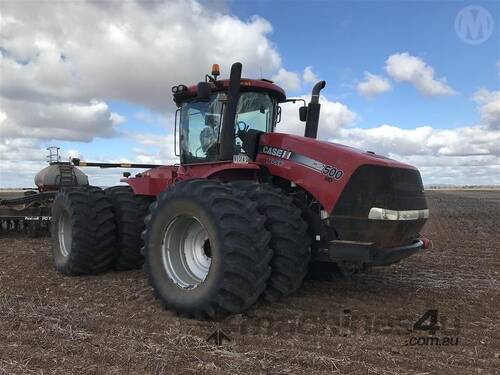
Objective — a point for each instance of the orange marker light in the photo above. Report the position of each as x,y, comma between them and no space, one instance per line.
215,70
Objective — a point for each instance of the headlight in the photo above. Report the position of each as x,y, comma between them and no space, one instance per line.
377,213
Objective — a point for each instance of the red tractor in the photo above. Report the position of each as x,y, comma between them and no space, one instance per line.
248,212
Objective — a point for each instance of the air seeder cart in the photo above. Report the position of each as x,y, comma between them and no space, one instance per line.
28,210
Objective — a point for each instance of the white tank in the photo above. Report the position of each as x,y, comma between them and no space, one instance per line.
60,174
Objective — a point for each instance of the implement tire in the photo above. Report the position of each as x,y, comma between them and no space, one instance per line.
130,210
206,250
82,231
290,241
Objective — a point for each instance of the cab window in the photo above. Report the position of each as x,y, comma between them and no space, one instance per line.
256,110
200,123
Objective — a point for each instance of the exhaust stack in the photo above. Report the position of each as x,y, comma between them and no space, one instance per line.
226,150
313,110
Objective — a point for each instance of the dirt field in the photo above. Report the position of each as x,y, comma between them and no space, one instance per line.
110,324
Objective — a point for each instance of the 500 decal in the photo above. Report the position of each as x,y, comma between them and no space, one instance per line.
332,172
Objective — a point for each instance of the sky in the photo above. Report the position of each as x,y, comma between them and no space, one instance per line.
415,81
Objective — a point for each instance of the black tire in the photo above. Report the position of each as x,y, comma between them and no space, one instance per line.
91,229
290,241
130,210
238,242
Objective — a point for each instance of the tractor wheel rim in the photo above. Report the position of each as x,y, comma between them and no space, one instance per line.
64,234
186,252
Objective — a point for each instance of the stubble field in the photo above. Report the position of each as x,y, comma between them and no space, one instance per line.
111,324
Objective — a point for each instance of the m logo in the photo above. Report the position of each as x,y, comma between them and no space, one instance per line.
474,24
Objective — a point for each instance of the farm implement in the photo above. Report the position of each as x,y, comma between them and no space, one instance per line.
29,210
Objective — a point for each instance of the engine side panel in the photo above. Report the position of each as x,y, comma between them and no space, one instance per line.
321,168
152,182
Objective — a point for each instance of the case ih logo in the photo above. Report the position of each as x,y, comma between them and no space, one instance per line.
278,152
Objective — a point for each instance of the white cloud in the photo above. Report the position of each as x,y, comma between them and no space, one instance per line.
131,51
373,85
465,170
289,81
21,159
392,140
309,76
461,152
58,120
489,109
57,82
465,155
334,116
62,64
20,149
155,149
404,67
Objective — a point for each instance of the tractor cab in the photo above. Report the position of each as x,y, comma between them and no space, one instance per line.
219,120
201,120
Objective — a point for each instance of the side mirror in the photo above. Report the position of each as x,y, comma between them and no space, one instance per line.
204,91
303,113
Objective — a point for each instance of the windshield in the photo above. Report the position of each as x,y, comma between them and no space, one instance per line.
201,121
256,109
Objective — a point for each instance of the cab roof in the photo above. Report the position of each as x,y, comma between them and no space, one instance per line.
247,84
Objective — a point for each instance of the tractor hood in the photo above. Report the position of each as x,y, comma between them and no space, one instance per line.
324,169
329,152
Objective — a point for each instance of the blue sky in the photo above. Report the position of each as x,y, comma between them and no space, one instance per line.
341,40
110,99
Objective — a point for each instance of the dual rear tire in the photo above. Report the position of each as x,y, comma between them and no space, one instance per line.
213,249
83,231
210,249
129,212
94,230
206,248
290,241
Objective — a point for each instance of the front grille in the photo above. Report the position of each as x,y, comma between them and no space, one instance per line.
383,187
378,186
